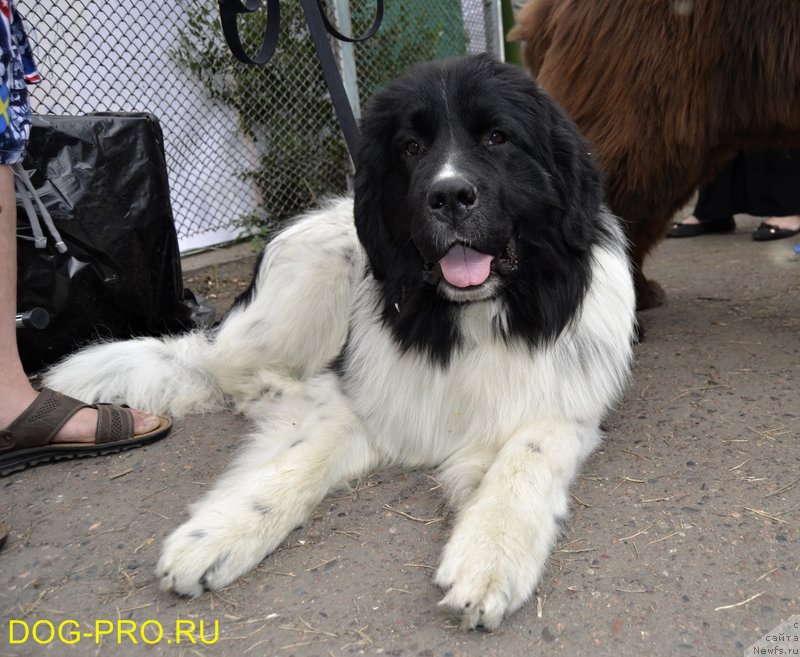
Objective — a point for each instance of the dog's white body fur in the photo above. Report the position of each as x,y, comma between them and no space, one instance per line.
508,425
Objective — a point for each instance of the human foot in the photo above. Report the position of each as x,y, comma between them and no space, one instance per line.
40,432
80,428
691,226
776,228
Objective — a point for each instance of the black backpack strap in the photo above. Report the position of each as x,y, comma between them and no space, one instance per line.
319,26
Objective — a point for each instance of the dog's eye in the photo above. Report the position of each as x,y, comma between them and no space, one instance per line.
497,137
411,147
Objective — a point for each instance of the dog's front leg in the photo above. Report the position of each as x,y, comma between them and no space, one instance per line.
308,448
504,533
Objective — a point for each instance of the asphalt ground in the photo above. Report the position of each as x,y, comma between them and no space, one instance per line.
684,536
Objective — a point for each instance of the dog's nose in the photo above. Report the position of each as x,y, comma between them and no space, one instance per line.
450,199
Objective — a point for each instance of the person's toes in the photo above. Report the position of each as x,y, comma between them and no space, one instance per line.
143,422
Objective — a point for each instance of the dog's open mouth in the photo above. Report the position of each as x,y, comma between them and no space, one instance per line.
463,267
465,274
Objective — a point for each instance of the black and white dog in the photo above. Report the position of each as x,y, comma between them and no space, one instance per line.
477,316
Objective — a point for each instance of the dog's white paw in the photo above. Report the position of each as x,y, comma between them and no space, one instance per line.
486,575
202,555
477,603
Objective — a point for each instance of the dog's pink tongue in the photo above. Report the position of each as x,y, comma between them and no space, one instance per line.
462,266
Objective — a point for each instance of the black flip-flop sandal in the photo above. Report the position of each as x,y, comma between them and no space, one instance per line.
27,440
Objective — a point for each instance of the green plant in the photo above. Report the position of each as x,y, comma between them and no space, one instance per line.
282,106
412,31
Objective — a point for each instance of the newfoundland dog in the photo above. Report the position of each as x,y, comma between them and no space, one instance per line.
477,316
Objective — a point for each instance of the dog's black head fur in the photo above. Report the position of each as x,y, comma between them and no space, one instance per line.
471,152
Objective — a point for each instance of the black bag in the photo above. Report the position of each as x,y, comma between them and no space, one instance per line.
103,180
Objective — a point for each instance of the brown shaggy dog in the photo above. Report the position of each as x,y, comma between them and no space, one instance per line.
667,91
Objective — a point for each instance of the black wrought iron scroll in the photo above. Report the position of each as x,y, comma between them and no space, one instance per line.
320,27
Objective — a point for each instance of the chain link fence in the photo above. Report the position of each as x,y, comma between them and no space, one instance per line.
246,147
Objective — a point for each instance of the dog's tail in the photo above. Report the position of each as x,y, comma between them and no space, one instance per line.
534,26
289,326
161,375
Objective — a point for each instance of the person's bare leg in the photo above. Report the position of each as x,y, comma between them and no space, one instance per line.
16,392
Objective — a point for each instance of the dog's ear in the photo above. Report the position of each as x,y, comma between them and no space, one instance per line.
372,180
367,208
574,183
580,182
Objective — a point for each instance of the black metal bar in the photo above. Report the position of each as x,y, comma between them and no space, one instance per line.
341,104
230,9
319,26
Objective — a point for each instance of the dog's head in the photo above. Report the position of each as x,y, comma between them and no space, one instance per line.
470,179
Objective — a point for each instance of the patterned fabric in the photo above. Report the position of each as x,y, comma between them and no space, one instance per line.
17,67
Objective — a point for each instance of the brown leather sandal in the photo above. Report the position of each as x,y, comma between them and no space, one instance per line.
26,441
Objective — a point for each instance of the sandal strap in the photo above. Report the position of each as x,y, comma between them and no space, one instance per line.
38,423
113,423
51,410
